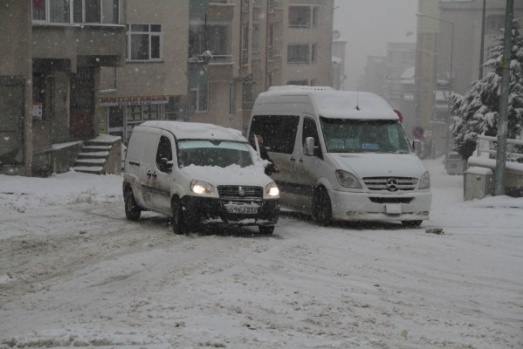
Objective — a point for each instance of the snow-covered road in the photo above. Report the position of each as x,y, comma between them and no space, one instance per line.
75,273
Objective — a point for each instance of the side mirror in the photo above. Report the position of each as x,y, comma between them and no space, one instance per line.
165,165
309,146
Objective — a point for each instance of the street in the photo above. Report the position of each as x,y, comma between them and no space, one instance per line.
75,273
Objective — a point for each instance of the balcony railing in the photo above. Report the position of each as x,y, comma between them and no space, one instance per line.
211,59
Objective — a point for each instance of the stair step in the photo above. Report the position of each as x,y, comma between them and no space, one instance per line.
94,154
89,169
89,162
96,148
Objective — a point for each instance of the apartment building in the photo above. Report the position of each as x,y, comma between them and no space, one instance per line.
207,60
307,42
52,52
153,82
252,45
92,67
339,48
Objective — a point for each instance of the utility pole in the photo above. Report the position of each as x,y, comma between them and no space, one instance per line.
482,46
501,153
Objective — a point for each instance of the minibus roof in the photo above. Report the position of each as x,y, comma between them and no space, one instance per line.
331,103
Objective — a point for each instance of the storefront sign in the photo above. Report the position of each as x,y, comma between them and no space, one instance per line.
139,100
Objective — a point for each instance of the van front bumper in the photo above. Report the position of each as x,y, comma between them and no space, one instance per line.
397,207
256,212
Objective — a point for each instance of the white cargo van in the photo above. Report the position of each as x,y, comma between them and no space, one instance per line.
341,155
197,173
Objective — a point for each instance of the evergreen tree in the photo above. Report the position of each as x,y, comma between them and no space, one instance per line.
477,112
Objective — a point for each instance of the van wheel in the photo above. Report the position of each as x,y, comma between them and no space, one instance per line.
132,210
322,209
178,218
266,229
411,224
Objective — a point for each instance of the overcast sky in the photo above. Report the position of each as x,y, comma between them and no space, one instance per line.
368,25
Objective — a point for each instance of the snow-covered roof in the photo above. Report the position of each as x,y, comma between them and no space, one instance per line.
333,103
353,104
196,130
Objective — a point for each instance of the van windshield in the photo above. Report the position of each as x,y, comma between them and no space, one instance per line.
359,136
213,153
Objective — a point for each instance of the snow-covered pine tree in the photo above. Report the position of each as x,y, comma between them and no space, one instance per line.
477,112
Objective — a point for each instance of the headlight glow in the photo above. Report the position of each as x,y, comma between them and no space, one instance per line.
272,190
201,188
348,180
424,182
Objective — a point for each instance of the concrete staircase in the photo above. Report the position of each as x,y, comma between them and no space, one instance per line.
96,154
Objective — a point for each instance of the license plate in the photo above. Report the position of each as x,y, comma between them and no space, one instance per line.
241,209
393,209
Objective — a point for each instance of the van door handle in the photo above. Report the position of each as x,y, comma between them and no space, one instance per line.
292,159
154,174
149,174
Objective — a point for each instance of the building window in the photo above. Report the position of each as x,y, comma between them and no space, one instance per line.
299,16
298,53
199,98
144,42
304,16
76,11
314,53
298,82
245,45
256,31
59,11
216,39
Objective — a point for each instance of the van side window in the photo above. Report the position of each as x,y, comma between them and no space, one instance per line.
278,131
310,130
164,154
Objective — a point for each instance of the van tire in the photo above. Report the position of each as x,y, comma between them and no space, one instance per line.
178,217
132,210
266,229
322,209
411,224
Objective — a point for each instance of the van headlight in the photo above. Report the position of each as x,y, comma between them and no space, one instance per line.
272,191
348,180
424,181
202,188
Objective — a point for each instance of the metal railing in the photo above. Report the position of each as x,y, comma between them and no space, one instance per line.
486,147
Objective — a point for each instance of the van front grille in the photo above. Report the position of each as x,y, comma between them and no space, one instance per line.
391,183
393,200
240,192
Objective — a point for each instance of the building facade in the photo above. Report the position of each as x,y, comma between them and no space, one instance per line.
451,45
92,67
50,64
153,82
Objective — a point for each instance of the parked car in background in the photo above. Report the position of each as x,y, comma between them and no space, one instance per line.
197,173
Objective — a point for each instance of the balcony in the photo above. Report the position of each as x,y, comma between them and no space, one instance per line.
67,29
69,42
